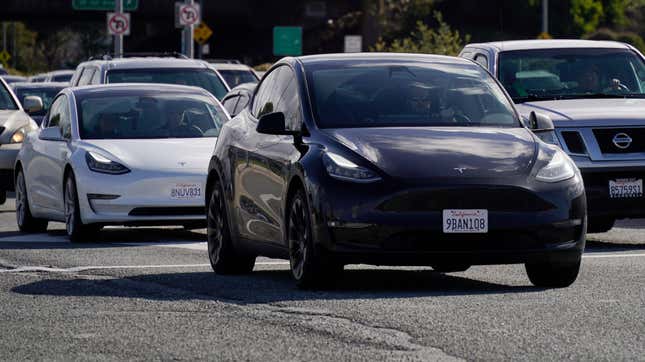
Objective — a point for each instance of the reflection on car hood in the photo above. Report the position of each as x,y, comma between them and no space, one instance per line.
428,152
589,112
156,154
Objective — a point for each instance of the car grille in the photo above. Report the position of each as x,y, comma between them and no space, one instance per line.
167,211
491,198
605,137
573,141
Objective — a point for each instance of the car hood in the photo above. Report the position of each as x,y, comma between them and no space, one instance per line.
156,154
589,112
420,153
12,120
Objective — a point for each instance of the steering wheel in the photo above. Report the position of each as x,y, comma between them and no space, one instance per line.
617,86
461,118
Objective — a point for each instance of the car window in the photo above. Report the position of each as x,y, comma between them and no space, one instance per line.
242,103
482,60
96,78
265,97
149,116
47,95
399,94
55,112
65,122
197,77
86,76
230,103
6,101
62,77
289,101
234,77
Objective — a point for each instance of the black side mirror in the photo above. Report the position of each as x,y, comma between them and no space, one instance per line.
273,123
539,122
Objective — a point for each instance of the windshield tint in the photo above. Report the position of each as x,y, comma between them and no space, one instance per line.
6,102
378,94
237,77
46,94
203,78
571,73
149,116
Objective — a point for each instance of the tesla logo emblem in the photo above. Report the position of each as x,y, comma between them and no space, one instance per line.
622,140
182,164
460,169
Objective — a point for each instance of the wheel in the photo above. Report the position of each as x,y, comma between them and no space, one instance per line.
3,197
222,255
76,231
600,224
550,275
450,268
310,267
26,222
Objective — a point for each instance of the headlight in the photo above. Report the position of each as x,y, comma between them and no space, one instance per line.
343,169
548,137
98,163
19,135
558,169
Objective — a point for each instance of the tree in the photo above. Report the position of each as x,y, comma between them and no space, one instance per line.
586,15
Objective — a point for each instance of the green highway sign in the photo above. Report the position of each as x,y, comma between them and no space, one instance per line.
287,40
128,5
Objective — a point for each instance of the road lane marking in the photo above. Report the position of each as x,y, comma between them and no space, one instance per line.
593,255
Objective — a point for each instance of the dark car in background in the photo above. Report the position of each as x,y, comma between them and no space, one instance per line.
10,79
45,91
238,98
390,159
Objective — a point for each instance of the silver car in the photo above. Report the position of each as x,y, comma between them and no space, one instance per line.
594,91
127,154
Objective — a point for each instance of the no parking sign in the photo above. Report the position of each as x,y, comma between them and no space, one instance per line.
118,23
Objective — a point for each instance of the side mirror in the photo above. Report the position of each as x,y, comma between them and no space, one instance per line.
539,122
273,123
33,104
51,134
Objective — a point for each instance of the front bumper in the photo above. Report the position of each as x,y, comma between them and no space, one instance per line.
8,154
599,202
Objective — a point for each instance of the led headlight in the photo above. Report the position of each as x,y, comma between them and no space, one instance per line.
98,163
558,169
343,169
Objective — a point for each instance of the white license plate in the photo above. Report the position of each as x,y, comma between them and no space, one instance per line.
625,188
186,191
465,221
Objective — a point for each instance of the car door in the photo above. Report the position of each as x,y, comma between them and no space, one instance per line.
49,159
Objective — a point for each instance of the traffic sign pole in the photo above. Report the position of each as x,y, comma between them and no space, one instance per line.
189,44
118,38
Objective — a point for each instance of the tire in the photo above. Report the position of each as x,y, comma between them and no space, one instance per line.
3,197
450,268
600,224
311,268
223,257
26,222
549,275
77,232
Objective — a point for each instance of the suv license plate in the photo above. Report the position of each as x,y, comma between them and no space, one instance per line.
465,221
625,188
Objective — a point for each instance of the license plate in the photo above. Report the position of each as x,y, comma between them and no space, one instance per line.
186,191
465,221
625,188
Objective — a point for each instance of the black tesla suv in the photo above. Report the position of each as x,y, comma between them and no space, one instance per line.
391,159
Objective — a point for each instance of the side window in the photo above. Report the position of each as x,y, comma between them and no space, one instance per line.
96,78
261,103
55,112
482,60
77,75
65,123
229,103
242,103
289,102
86,76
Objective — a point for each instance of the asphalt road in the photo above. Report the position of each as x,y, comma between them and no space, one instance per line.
149,294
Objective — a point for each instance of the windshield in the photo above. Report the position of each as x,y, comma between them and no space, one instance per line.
149,116
237,77
204,78
62,77
378,94
6,101
571,73
46,94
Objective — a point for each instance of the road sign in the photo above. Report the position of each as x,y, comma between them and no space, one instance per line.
353,43
129,5
202,32
188,14
118,23
5,57
287,40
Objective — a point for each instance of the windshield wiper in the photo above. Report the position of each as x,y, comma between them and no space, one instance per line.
534,97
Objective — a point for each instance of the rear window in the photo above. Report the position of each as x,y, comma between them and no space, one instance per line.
236,77
62,78
197,77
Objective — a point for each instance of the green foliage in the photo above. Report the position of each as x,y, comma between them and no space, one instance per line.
443,40
586,15
625,37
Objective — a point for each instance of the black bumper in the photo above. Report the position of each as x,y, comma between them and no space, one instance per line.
599,204
6,180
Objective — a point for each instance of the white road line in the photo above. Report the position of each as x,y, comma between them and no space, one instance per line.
593,255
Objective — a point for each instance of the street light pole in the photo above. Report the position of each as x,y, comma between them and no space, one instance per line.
118,39
189,44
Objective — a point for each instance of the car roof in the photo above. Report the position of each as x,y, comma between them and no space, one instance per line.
549,44
422,58
40,85
148,62
137,87
228,66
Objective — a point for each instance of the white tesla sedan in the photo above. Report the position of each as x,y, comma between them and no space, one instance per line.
123,154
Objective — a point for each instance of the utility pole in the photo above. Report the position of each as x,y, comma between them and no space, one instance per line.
4,36
13,45
545,16
189,43
118,39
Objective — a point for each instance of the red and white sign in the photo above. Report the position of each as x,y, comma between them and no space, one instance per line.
189,14
118,23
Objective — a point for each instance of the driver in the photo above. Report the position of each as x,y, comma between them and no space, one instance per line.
589,79
420,100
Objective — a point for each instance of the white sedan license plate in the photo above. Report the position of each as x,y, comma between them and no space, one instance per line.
625,188
465,221
186,191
